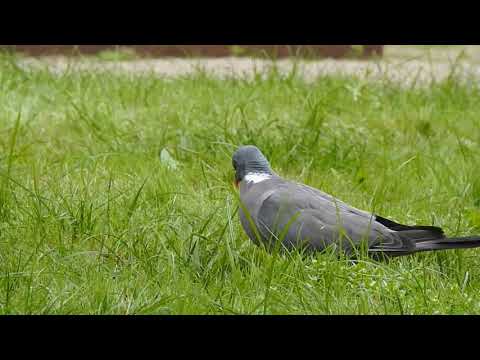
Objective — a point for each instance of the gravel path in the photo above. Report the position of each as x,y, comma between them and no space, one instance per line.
404,71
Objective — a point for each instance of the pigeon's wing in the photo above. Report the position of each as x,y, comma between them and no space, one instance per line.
298,215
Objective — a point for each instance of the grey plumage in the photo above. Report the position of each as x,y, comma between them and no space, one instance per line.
274,210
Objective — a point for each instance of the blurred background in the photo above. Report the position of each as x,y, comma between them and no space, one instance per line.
335,51
125,52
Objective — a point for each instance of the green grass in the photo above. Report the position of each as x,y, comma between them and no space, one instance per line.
116,194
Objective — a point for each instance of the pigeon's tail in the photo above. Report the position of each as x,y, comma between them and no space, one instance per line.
467,242
425,238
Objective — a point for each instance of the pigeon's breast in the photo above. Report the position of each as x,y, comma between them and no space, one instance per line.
252,197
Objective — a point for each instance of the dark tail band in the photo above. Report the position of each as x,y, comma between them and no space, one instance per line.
449,243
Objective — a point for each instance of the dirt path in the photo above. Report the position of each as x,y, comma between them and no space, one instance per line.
415,68
442,53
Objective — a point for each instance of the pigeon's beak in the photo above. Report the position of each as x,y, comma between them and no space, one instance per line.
236,183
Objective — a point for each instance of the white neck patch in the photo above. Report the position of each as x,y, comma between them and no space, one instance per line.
256,177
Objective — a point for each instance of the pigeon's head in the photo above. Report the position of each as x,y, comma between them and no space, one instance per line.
249,160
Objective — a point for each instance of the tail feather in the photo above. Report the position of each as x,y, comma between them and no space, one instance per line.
449,243
421,231
424,238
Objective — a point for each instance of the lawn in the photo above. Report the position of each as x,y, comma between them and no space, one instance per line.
116,192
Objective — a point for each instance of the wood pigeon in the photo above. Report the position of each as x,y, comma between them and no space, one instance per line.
275,211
